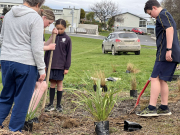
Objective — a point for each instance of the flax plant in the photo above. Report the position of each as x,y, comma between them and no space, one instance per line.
98,104
178,84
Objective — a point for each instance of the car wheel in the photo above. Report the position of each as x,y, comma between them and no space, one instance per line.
137,52
103,50
113,50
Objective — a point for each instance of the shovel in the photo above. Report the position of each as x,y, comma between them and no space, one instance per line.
137,102
51,27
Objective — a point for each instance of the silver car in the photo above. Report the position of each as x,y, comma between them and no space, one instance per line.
121,41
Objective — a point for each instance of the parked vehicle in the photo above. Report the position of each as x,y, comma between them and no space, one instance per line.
121,41
138,31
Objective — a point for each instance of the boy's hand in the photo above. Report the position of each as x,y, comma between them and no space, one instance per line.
52,46
66,71
168,56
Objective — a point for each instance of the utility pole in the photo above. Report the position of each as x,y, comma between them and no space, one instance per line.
72,12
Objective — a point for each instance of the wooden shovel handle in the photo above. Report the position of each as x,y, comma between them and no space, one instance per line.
48,73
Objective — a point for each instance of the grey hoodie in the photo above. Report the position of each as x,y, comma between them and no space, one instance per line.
21,38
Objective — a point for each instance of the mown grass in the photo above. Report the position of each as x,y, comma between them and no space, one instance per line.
105,33
87,58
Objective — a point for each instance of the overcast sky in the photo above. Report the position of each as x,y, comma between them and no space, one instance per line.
133,6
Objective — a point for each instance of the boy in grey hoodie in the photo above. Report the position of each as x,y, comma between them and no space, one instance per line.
22,56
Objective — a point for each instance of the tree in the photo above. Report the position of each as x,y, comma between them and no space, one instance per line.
5,10
90,16
45,7
105,9
173,8
111,22
82,14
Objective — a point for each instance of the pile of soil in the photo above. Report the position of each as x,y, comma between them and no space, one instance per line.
78,122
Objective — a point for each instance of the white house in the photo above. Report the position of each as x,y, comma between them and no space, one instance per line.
9,3
150,23
65,13
129,21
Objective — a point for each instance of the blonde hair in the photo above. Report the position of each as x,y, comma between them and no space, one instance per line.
47,13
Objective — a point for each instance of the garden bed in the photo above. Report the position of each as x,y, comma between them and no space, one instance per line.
78,122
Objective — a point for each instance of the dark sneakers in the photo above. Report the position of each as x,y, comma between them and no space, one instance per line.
148,113
163,112
59,108
49,108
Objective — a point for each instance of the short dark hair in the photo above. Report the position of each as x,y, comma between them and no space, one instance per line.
150,3
33,3
62,22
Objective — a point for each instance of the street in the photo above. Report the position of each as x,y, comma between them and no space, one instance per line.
144,39
147,40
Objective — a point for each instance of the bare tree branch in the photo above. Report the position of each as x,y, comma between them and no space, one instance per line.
105,9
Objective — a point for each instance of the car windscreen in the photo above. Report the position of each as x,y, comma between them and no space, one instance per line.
127,35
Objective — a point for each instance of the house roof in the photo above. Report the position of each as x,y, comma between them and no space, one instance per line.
12,1
132,14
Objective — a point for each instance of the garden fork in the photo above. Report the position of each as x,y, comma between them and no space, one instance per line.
137,102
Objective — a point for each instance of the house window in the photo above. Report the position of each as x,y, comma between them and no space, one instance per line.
9,5
2,5
5,5
142,23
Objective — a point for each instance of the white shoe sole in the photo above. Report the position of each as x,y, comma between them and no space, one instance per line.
52,109
165,114
148,115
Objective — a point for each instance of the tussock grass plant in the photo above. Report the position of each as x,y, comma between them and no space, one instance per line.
133,82
132,69
113,67
98,104
101,75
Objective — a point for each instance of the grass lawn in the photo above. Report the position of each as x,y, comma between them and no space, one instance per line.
106,33
87,58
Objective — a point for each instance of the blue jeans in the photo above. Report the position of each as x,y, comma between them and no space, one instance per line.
18,86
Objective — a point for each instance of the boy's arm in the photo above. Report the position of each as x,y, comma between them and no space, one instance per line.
169,39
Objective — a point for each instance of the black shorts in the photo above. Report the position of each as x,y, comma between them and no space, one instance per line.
164,70
56,74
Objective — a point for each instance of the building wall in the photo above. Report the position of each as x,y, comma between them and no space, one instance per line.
128,19
5,4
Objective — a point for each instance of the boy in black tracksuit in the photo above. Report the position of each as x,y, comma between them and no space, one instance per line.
167,57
